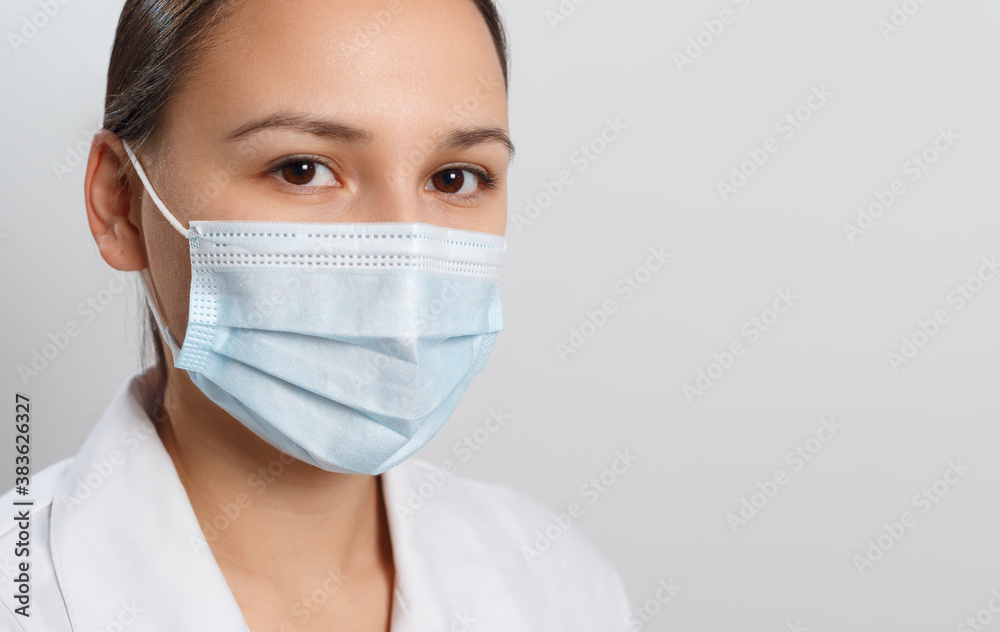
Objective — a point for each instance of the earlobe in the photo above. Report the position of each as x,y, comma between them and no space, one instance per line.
108,196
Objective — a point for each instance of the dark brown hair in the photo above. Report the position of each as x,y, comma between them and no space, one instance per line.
158,43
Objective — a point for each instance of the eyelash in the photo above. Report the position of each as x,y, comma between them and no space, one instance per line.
486,178
291,160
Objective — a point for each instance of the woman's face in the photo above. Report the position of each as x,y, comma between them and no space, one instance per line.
331,111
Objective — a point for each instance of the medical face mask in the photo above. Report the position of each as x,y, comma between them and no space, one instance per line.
344,345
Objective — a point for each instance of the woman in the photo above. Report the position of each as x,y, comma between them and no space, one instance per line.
338,170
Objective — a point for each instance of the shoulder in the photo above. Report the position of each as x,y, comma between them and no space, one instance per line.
25,552
8,622
543,553
40,493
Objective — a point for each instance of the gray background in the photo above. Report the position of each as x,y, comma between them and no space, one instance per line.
655,186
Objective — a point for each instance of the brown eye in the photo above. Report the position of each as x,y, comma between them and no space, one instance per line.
454,181
449,181
306,173
300,173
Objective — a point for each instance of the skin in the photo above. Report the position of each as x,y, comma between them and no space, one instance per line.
399,90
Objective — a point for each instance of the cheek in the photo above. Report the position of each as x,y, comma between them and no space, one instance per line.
493,216
501,214
170,269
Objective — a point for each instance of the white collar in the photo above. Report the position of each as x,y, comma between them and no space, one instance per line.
124,535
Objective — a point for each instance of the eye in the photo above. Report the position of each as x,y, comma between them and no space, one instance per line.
305,173
458,181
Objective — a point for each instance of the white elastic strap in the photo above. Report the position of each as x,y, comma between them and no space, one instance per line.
169,337
504,244
149,188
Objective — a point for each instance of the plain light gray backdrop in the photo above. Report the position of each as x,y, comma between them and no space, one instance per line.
891,75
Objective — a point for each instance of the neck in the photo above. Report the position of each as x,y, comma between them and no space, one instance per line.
264,514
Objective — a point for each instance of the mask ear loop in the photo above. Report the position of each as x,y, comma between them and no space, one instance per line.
175,349
143,282
149,189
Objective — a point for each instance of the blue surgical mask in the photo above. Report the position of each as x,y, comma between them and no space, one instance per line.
344,345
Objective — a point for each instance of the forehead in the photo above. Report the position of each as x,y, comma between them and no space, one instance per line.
382,64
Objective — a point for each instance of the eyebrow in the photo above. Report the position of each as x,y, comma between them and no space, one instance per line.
455,138
333,130
463,138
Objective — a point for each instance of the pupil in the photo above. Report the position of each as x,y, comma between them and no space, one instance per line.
449,181
300,172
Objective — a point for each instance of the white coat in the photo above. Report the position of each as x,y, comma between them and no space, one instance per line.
115,546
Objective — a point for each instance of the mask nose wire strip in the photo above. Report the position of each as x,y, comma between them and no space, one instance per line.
149,189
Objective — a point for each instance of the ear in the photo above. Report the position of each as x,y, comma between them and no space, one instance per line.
113,220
